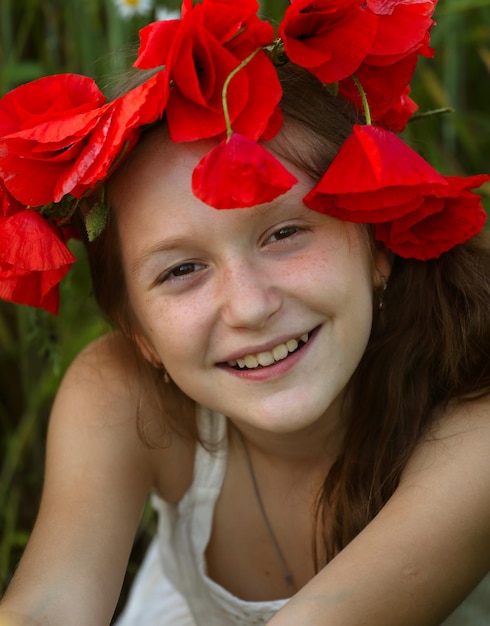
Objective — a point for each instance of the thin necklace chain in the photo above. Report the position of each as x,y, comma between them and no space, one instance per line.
288,577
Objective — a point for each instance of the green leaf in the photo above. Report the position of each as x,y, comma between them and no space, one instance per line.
95,220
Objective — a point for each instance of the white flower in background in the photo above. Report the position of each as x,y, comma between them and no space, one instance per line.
167,14
128,8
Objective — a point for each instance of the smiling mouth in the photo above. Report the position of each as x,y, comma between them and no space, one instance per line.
264,359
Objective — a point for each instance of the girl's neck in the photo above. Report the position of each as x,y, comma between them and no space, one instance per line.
308,450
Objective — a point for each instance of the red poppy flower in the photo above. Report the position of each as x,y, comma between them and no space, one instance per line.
402,35
403,29
41,121
458,216
396,118
48,99
226,20
262,117
8,204
199,52
115,135
198,72
57,151
328,37
384,85
240,173
33,260
376,178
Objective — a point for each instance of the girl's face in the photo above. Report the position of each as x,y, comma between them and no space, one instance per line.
261,314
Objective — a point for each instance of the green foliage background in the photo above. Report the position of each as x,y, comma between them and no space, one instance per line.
39,37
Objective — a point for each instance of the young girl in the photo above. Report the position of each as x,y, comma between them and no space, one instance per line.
301,382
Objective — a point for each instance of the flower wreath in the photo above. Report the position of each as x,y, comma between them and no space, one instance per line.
214,75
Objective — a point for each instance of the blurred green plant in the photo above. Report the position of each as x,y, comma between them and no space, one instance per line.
35,350
39,37
459,78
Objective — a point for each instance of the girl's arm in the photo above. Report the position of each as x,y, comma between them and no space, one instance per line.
428,547
97,479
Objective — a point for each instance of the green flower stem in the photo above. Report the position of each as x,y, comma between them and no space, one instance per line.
362,93
424,114
224,93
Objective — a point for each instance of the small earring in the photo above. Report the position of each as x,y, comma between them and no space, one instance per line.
159,366
381,293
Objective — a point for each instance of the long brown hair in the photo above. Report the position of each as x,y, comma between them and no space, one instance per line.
430,345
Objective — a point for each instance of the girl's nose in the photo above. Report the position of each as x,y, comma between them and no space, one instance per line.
249,298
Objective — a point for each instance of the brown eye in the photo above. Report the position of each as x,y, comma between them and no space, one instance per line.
183,269
284,233
180,271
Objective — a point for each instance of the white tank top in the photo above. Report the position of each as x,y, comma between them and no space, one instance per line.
172,587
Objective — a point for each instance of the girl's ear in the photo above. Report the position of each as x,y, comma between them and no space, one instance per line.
383,260
147,350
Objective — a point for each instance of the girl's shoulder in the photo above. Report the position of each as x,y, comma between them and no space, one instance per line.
461,427
102,385
449,477
108,361
105,391
458,442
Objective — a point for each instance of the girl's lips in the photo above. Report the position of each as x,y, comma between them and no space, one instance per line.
273,362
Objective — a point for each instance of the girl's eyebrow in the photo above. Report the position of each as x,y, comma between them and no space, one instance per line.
167,245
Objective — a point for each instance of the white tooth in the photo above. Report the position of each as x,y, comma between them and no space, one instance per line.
280,352
250,361
265,358
291,345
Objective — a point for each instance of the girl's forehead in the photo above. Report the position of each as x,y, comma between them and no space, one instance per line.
160,169
157,158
